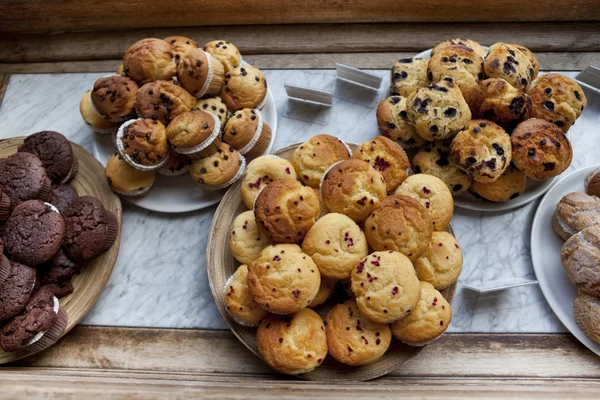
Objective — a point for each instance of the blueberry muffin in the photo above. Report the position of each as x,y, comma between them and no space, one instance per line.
92,117
326,289
55,152
428,321
540,149
199,73
248,132
502,103
239,302
292,344
143,144
400,223
575,212
387,157
244,87
386,286
534,61
482,150
214,105
433,194
408,75
586,311
195,134
336,244
353,188
312,158
180,45
558,99
114,97
438,111
149,60
162,101
393,123
507,62
286,210
463,42
246,239
283,279
260,172
510,185
441,264
226,52
23,177
220,170
434,159
580,256
353,339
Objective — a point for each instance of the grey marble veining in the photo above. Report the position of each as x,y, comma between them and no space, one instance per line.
160,277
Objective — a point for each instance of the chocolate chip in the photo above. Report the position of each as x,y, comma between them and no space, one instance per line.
216,163
548,91
531,153
470,161
204,125
577,95
498,148
549,105
450,112
457,187
434,128
405,60
516,105
549,166
403,114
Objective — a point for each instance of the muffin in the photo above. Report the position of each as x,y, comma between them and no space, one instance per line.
260,172
428,320
393,123
575,212
195,134
121,70
214,105
63,196
502,103
283,279
220,170
246,239
286,210
244,87
226,52
483,150
149,60
433,194
386,286
534,61
58,271
586,310
181,45
408,75
580,256
92,117
312,158
336,244
16,290
506,61
324,210
292,344
162,101
353,188
142,143
200,73
510,185
558,99
176,165
540,149
114,97
248,132
592,183
353,339
23,177
387,157
441,264
55,152
326,289
434,159
400,223
479,50
438,111
127,181
238,300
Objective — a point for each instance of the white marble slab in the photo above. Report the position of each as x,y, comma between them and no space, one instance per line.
160,277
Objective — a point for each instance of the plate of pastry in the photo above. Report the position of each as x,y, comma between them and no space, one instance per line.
482,120
565,238
178,123
330,262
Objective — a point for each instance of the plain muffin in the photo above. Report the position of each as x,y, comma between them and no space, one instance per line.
441,264
149,60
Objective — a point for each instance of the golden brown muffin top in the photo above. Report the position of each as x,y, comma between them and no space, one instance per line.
534,61
219,168
408,75
191,128
506,61
114,96
163,101
393,122
124,178
387,157
460,41
192,70
312,158
226,52
501,102
181,45
244,87
149,60
239,301
145,142
240,128
92,117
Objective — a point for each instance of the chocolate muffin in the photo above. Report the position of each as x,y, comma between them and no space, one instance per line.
23,177
16,290
163,101
90,229
61,289
55,152
114,97
58,270
62,197
44,227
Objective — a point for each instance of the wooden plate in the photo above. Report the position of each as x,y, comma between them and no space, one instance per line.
88,285
221,265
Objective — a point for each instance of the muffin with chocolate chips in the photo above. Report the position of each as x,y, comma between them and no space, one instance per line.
540,149
245,87
558,99
214,105
510,185
149,60
92,117
143,144
127,181
200,73
393,123
114,97
435,160
477,48
226,52
507,62
408,75
312,158
387,157
177,164
181,45
483,150
162,101
195,134
502,103
220,170
248,132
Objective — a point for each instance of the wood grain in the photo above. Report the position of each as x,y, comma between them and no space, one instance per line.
67,15
89,284
4,78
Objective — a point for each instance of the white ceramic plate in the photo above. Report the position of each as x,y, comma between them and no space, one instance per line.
545,255
174,194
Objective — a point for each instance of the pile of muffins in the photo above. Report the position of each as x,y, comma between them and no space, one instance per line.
352,221
482,121
577,222
176,108
48,234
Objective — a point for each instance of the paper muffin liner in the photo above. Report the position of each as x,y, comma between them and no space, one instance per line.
4,206
46,191
52,207
135,194
4,268
217,78
207,148
72,172
589,177
45,339
261,139
112,228
237,177
129,160
233,317
350,152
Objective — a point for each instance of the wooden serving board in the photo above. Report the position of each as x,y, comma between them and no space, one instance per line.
221,265
88,285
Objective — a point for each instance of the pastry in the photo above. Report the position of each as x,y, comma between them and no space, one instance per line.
326,289
63,196
592,183
248,132
149,60
441,264
195,134
408,75
463,42
23,177
92,117
387,157
214,105
502,103
55,152
336,244
246,239
200,73
580,257
534,61
586,310
393,123
575,212
540,149
163,101
312,158
220,170
238,300
507,62
142,143
226,52
434,159
58,271
244,87
16,290
127,181
180,45
114,97
510,185
260,172
177,164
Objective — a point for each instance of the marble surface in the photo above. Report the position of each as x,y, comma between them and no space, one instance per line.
160,277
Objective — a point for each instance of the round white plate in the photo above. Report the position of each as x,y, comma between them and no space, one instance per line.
545,255
174,194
